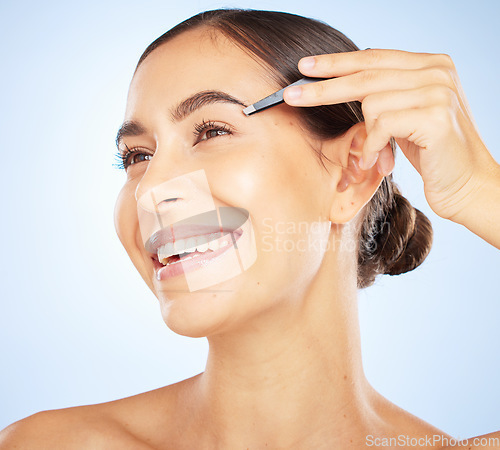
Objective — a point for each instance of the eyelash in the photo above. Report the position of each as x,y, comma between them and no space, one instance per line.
122,158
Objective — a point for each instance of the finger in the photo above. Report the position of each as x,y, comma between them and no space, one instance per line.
357,86
385,161
414,125
344,63
435,94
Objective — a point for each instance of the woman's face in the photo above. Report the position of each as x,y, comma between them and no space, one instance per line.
263,163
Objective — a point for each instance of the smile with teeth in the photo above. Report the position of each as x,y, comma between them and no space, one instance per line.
174,252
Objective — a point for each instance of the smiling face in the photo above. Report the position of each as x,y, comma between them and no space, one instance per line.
263,163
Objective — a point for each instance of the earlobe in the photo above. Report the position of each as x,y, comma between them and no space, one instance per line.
356,186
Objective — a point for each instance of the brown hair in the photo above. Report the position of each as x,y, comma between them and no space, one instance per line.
394,237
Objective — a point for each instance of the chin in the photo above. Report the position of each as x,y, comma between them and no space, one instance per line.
187,320
222,308
201,313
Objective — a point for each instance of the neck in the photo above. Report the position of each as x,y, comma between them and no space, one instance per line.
293,375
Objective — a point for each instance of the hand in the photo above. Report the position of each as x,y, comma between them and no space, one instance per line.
417,99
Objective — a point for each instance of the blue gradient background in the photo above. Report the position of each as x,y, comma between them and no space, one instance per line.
77,323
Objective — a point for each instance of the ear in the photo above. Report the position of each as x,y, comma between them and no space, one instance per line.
355,187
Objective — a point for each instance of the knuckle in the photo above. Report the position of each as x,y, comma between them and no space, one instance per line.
442,75
373,55
446,60
369,75
325,62
440,116
443,95
383,121
369,106
317,89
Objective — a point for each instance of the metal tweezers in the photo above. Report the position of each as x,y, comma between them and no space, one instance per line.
277,97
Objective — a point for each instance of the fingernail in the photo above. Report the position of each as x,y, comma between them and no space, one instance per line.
382,167
294,92
372,163
308,63
365,165
342,186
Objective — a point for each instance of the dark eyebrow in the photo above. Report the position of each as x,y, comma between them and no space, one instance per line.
180,112
191,104
129,128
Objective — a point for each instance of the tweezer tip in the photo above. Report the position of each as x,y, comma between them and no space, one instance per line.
249,110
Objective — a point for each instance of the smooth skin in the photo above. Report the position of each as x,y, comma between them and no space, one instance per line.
284,368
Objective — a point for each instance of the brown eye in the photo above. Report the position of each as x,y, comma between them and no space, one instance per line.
213,133
139,157
129,158
209,130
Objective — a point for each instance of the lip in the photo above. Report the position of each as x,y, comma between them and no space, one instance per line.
163,273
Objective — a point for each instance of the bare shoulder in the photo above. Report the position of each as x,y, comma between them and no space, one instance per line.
71,428
80,427
490,441
409,431
128,423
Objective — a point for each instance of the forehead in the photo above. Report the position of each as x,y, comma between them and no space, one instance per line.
197,60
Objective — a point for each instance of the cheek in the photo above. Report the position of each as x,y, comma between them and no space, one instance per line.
122,213
279,186
127,229
268,175
126,223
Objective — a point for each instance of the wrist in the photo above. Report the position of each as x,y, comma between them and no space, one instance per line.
482,207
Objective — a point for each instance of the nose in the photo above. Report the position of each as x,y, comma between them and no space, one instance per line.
162,191
157,200
154,189
163,203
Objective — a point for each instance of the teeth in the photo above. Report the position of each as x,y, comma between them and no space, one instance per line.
190,245
169,249
201,240
178,247
213,245
202,247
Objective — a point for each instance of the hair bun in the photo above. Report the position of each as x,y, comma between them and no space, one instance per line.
408,237
395,237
